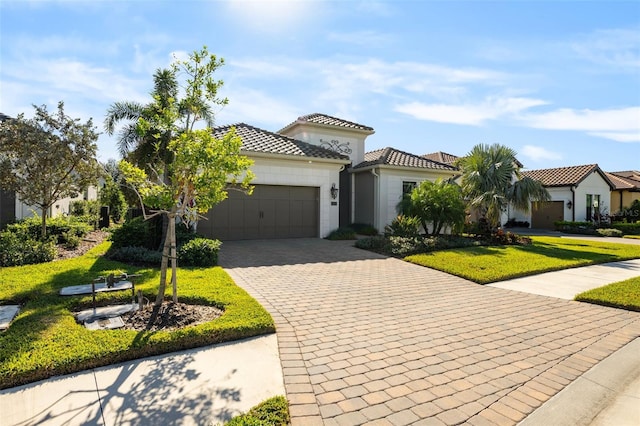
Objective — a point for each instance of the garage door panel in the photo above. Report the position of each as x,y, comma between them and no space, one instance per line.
544,215
270,212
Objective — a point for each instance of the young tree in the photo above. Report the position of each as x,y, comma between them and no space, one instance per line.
201,168
491,180
438,203
47,158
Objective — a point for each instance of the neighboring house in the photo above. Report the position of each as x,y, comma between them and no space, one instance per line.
442,157
314,176
12,208
626,191
578,193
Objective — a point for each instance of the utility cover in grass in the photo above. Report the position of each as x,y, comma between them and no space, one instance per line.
7,314
105,323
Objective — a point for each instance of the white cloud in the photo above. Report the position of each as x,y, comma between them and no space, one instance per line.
615,120
468,114
538,153
618,136
615,47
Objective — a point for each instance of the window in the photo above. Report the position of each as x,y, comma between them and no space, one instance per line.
593,207
407,187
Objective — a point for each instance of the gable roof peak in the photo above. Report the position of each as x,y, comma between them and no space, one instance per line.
394,157
327,120
566,176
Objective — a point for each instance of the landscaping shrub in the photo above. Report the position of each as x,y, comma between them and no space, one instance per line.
199,252
403,226
404,246
59,227
504,238
364,229
135,256
19,249
343,233
112,196
272,412
87,211
136,232
71,240
375,243
627,228
575,227
512,223
608,232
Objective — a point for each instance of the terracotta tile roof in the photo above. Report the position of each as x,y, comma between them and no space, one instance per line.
631,174
394,157
441,157
259,140
624,182
565,176
328,120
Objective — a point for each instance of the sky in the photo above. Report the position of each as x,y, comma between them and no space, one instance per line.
557,81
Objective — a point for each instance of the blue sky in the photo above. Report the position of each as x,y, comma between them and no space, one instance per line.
558,81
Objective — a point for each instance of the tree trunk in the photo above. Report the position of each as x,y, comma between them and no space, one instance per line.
174,258
163,269
43,230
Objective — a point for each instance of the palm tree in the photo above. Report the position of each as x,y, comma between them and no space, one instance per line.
492,180
149,149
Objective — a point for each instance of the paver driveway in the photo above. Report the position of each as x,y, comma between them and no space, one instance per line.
369,339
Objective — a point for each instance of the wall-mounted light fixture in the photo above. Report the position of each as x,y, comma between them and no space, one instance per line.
569,205
334,191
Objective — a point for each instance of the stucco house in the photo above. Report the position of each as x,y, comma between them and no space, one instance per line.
13,209
313,176
578,193
626,191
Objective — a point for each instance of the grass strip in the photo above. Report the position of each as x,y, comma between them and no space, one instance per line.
623,294
497,263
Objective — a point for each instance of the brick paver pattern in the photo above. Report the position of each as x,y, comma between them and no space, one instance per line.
366,339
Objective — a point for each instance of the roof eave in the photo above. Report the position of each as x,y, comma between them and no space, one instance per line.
324,126
292,157
405,168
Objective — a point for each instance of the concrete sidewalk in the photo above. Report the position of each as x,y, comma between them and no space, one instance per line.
568,283
204,386
609,393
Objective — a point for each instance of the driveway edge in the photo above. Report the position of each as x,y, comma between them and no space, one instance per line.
581,401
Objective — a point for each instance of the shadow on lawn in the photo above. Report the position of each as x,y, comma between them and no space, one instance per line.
544,249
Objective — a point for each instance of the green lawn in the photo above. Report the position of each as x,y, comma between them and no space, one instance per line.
623,294
490,264
44,340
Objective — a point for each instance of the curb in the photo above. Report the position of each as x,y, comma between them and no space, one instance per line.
579,403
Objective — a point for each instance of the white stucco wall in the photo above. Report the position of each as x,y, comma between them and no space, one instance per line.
593,184
60,207
270,171
390,190
327,137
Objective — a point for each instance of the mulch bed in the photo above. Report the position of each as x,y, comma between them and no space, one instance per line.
170,316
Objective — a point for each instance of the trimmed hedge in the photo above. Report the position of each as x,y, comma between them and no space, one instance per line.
627,228
199,252
343,233
18,249
609,232
59,227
